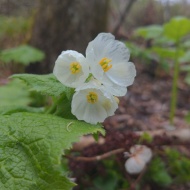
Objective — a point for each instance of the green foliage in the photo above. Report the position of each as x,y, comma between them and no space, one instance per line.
186,57
139,52
11,26
109,182
14,94
45,84
23,54
177,28
186,44
146,137
188,115
7,110
167,44
112,179
169,53
31,148
149,32
187,79
165,38
178,166
157,173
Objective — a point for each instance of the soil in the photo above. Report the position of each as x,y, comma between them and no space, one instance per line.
145,107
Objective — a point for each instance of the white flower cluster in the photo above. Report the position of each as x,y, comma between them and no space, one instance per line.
98,78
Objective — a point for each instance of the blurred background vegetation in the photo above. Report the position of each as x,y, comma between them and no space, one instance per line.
60,25
34,33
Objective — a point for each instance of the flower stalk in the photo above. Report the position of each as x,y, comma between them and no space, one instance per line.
174,93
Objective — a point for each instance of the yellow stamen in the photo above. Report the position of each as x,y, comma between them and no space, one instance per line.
75,67
116,99
92,97
105,64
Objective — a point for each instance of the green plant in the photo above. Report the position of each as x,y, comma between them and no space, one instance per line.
34,140
22,55
14,26
170,45
157,173
178,165
16,59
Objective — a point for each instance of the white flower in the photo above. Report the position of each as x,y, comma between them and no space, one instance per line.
92,103
140,156
108,59
71,69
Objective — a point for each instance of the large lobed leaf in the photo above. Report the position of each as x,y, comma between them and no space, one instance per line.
14,94
149,32
170,53
31,146
177,28
23,54
45,84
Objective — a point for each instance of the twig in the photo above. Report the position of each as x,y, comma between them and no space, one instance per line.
123,16
100,157
134,184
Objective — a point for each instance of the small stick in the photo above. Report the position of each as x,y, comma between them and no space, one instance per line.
100,157
133,185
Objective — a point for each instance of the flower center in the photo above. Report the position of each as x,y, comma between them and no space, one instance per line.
105,64
75,67
92,97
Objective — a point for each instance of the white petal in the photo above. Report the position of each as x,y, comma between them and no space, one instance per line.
117,52
134,165
116,90
62,69
94,53
143,152
122,74
93,112
146,154
109,104
96,47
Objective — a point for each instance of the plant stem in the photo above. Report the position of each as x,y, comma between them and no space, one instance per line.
174,88
52,109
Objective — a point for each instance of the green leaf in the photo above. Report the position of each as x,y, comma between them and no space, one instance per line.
177,28
23,54
179,165
186,44
7,110
14,94
169,53
31,146
185,68
45,84
187,118
146,137
149,32
63,108
187,79
163,40
138,52
185,58
109,182
157,173
14,26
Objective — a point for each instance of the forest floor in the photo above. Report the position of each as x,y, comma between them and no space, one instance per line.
145,107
